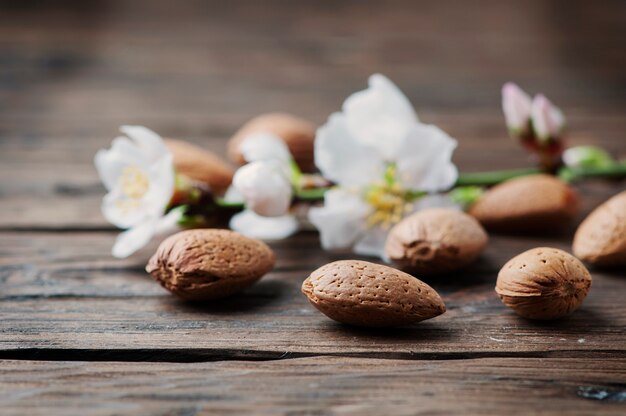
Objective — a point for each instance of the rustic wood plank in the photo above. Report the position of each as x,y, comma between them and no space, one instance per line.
59,292
70,75
321,386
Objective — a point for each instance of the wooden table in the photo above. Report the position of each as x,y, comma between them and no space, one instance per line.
83,333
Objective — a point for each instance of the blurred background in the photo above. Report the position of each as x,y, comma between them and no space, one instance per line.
71,72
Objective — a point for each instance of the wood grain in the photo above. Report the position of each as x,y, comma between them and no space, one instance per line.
60,292
320,386
83,333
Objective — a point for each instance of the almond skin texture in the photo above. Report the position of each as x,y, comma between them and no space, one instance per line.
543,283
201,165
601,237
205,264
296,132
437,240
366,294
535,203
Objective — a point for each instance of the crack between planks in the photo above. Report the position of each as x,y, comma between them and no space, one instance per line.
218,355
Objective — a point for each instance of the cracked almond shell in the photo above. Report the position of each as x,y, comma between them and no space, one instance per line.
296,132
200,164
435,240
543,283
534,203
360,293
601,237
205,264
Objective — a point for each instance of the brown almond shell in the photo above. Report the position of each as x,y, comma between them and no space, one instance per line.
543,283
534,203
203,264
436,240
201,165
360,293
601,237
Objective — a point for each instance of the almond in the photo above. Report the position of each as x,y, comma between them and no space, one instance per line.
204,264
366,294
436,240
296,132
531,203
201,165
601,237
543,283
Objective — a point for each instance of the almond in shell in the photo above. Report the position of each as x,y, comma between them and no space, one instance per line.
534,203
543,283
205,264
436,240
360,293
601,237
201,165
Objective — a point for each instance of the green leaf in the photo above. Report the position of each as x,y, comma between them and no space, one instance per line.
466,195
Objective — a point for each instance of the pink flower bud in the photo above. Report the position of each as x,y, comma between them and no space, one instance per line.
547,119
516,106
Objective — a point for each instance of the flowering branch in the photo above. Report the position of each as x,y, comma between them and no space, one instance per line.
378,163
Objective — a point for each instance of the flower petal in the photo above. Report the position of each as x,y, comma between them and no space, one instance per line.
516,107
111,162
548,120
435,201
379,116
265,188
344,160
150,143
341,221
372,243
162,184
132,240
122,212
264,146
265,228
169,223
233,196
425,161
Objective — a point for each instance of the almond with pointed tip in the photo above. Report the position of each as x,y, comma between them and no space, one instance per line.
360,293
201,165
601,237
543,283
436,240
296,132
204,264
535,203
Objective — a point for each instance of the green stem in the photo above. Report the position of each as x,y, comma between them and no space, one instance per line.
221,202
478,179
616,170
313,194
493,177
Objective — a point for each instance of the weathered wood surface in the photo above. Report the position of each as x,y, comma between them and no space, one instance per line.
83,333
60,292
318,386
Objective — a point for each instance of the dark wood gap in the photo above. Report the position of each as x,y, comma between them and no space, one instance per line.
213,355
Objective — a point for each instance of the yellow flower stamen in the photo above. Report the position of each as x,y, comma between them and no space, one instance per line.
134,184
389,201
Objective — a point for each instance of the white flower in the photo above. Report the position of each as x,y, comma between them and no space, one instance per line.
138,174
380,177
548,120
265,186
516,105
